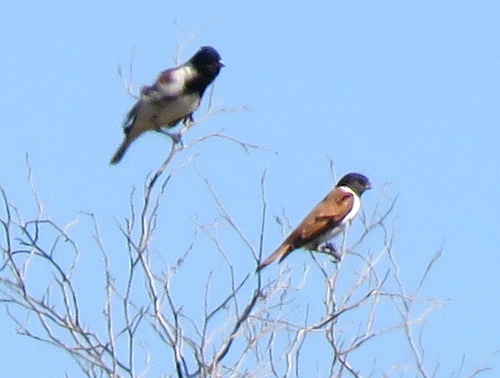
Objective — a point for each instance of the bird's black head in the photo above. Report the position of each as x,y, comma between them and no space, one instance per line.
207,60
355,181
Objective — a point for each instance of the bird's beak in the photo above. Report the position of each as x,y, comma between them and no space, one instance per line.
368,186
221,64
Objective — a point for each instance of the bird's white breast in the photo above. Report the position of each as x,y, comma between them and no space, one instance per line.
356,205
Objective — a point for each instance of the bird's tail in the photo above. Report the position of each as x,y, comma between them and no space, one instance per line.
279,254
121,151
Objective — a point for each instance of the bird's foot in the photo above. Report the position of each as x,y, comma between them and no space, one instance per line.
176,137
329,249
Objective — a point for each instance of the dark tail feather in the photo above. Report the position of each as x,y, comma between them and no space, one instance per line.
120,152
279,254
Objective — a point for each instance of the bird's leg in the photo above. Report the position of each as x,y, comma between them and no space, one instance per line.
186,124
177,137
188,121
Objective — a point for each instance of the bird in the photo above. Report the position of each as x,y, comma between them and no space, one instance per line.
175,95
329,218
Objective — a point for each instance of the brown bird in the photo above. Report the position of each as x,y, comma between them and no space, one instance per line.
173,98
328,219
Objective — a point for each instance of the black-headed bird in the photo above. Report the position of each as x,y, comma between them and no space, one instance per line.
173,98
328,219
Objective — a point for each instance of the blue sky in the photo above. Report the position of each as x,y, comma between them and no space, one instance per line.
404,92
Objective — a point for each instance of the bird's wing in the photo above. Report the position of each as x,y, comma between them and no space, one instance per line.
324,217
166,88
131,115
